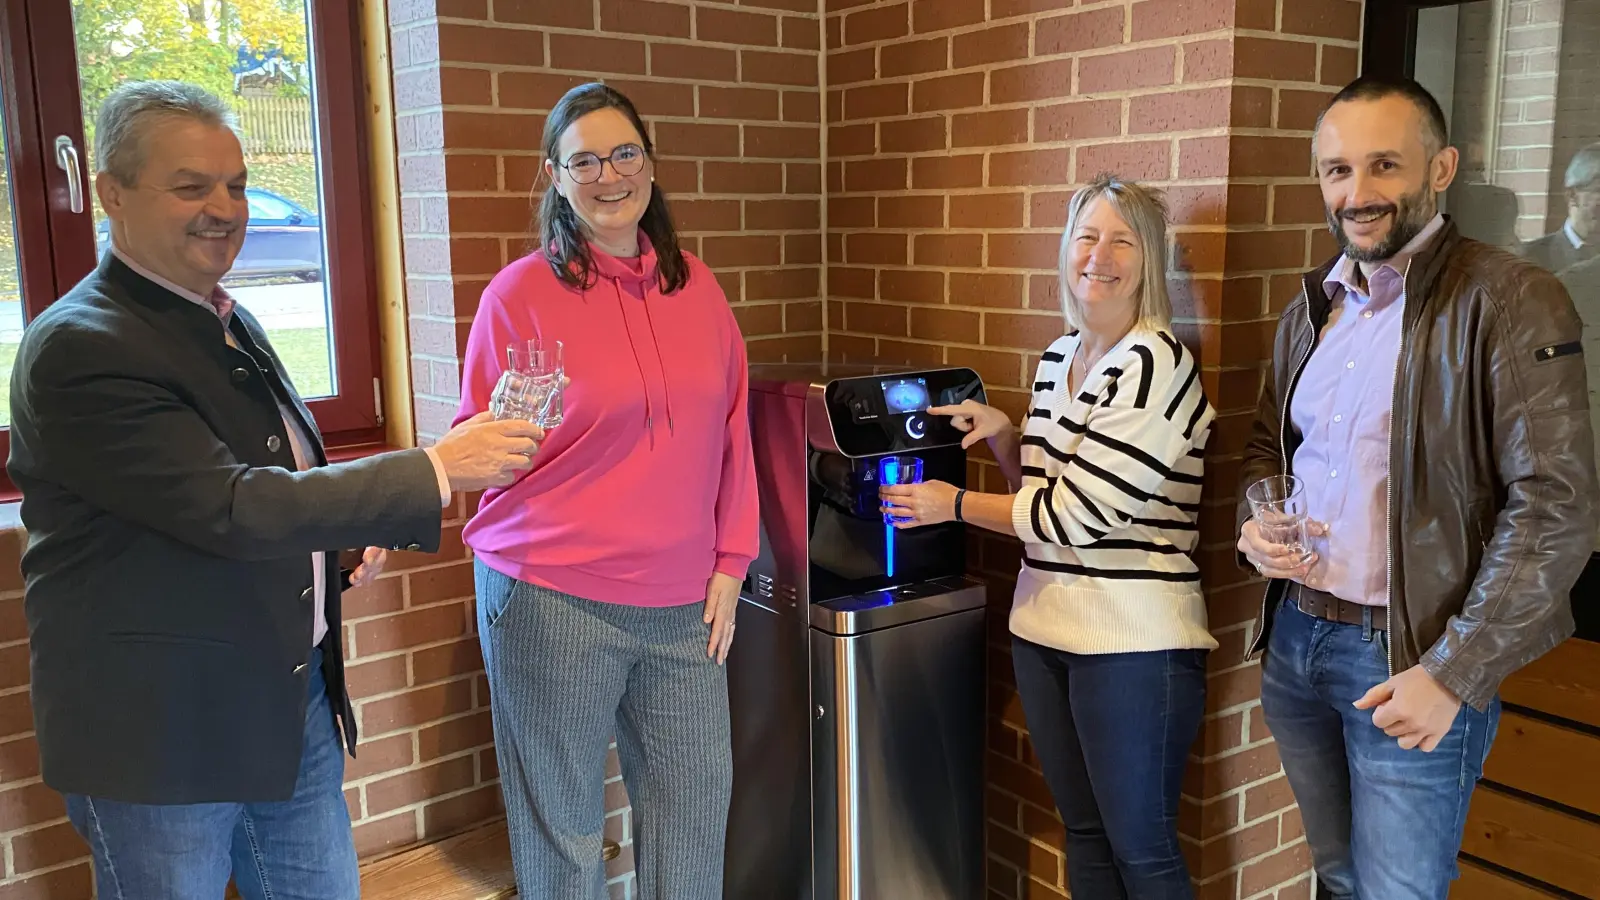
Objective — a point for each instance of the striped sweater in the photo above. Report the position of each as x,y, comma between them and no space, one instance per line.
1109,500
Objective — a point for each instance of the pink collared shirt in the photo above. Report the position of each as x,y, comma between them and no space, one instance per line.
1342,408
299,441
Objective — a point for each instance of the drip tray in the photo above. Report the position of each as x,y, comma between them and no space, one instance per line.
874,610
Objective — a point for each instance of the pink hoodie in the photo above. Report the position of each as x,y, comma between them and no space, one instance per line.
648,485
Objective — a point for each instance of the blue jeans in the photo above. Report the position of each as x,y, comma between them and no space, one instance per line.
1113,732
296,849
1383,823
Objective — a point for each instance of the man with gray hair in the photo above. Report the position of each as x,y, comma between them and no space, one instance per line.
184,531
1578,238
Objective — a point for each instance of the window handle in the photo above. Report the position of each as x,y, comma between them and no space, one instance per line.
67,161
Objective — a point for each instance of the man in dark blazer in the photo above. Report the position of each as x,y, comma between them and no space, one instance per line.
1579,236
184,528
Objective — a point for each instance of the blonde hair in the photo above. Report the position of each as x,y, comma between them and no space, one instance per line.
1145,213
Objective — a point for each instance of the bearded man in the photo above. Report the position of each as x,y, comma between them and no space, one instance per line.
1427,396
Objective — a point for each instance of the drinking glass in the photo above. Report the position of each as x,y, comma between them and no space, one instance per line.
1278,504
893,470
532,385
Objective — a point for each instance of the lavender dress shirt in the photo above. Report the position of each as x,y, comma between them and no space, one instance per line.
1342,408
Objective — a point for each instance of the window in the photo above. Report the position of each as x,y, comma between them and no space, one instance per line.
291,72
268,207
1519,82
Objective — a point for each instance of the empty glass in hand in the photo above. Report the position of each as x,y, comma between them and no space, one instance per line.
532,385
1278,504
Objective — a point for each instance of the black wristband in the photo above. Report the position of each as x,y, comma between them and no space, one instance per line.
959,495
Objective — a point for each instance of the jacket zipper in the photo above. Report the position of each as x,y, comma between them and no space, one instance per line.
1283,425
1388,510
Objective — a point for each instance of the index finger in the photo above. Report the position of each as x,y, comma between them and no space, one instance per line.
949,410
897,490
521,428
1385,716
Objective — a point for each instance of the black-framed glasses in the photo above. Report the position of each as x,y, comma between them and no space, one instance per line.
585,168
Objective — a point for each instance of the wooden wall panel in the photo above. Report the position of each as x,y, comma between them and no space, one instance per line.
1479,883
1534,826
1546,844
1564,682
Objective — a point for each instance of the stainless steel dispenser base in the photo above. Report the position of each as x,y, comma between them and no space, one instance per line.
858,748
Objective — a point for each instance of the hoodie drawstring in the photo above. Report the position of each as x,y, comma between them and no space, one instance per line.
666,383
649,408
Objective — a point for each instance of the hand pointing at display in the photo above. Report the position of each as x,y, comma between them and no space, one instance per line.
980,422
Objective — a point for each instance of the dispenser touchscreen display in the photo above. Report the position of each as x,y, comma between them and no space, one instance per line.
906,395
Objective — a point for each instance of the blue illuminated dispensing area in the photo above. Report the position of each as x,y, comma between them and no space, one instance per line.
894,470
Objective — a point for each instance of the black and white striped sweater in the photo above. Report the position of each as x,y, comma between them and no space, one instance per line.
1110,497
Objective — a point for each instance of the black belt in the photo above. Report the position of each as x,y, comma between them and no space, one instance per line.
1324,605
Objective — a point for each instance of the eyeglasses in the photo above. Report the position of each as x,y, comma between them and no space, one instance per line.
585,168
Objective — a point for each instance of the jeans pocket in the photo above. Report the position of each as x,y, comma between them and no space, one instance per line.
1491,729
495,593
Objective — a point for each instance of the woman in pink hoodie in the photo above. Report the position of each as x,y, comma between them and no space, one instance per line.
607,578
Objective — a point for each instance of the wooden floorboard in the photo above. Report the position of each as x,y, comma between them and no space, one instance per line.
475,865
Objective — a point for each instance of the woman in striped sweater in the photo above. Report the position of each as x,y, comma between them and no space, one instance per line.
1109,632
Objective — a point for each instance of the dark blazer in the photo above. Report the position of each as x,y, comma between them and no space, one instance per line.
1554,252
168,565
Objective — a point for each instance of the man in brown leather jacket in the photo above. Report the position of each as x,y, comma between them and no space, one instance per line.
1428,395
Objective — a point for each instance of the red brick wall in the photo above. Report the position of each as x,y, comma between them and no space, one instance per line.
425,764
956,132
43,856
731,94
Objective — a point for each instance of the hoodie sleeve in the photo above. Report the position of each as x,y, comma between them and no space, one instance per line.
738,533
484,359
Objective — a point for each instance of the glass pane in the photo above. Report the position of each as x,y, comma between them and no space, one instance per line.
1520,82
10,279
254,54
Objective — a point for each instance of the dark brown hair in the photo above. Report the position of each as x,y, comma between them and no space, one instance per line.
561,233
1379,87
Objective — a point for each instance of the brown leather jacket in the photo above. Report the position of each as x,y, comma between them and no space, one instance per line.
1492,489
